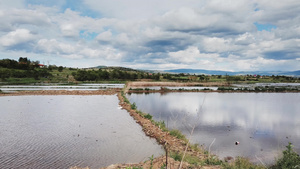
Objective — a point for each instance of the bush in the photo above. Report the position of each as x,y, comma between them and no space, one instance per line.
225,88
133,106
290,159
148,116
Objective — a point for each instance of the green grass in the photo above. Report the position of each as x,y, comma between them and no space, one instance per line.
176,133
177,156
241,163
13,81
161,125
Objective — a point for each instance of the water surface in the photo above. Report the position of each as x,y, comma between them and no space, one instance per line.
65,131
263,123
14,88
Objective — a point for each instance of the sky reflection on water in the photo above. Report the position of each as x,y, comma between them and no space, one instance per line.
263,123
64,131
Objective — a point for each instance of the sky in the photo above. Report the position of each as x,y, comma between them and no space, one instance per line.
228,35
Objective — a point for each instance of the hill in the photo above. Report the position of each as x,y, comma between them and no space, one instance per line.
219,72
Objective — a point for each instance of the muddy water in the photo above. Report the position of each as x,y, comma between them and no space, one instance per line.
65,131
263,123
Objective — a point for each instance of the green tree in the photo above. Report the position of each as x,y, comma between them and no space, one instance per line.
60,68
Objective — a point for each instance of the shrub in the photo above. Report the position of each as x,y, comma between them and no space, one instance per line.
133,106
290,159
148,116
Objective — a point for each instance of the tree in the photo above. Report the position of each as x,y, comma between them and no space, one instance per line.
24,60
60,68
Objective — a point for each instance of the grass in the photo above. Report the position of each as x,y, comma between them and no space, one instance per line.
241,163
161,125
176,133
193,160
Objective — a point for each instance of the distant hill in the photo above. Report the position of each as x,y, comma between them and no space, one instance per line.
295,73
118,68
98,67
200,71
219,72
206,72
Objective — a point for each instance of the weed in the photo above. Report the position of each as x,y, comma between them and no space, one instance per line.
133,106
139,112
148,116
241,163
151,161
178,134
195,147
212,160
161,125
163,166
176,156
188,158
290,159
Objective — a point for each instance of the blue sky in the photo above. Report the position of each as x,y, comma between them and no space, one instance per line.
230,35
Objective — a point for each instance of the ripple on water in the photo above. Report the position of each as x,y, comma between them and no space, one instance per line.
64,131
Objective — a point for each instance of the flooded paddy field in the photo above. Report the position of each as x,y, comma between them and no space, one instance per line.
263,123
92,87
70,130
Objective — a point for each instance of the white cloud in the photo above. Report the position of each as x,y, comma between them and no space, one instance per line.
69,30
189,55
214,44
16,37
5,4
52,46
137,9
104,36
212,34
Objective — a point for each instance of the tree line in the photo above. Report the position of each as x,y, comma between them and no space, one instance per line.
23,68
114,74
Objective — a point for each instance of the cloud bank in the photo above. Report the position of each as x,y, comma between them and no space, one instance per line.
238,35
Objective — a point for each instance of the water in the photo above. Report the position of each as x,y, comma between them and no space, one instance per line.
14,88
286,85
263,123
177,88
65,131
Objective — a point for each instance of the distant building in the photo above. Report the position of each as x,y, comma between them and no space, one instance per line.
41,65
